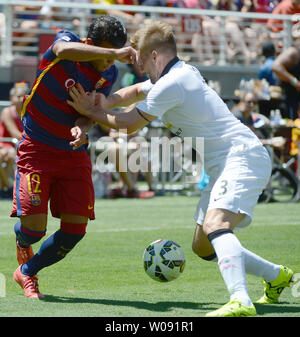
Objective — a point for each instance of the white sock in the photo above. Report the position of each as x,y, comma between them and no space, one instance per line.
232,267
258,266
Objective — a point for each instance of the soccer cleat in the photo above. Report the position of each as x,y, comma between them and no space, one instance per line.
274,288
28,283
24,254
233,308
140,194
117,193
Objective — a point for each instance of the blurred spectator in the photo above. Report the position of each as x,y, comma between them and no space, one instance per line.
2,25
128,179
265,71
287,68
159,3
2,21
253,30
70,14
247,112
261,6
126,182
284,7
10,127
29,24
244,109
133,75
196,30
128,18
239,39
225,5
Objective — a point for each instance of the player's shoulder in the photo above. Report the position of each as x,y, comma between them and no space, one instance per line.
66,36
183,71
111,73
61,36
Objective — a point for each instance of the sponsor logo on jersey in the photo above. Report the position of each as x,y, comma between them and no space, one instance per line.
69,83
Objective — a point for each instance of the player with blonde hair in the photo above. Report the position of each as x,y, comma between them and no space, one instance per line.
238,165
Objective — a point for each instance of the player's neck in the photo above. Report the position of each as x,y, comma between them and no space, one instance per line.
167,63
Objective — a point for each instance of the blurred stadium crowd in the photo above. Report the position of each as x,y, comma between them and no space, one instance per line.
248,41
199,37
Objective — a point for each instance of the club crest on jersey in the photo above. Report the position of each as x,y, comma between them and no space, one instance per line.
35,199
100,83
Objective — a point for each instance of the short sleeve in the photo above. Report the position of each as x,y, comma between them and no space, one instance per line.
147,86
163,96
65,36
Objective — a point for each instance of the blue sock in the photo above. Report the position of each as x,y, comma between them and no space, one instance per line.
52,250
25,236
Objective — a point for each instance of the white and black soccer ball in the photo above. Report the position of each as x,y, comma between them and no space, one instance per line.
164,260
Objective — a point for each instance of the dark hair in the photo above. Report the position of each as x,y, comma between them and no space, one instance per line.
107,29
268,49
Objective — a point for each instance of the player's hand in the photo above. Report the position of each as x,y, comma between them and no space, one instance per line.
126,55
102,100
83,102
79,137
278,142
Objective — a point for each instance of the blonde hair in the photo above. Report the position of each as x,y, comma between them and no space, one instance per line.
156,35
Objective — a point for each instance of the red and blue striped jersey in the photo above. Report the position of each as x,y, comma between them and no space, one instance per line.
46,115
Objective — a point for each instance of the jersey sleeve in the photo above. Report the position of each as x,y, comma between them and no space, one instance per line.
147,86
162,96
65,36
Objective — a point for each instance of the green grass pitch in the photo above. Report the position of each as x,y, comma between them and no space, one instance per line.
104,277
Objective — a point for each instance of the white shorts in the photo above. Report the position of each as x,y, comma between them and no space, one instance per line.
236,183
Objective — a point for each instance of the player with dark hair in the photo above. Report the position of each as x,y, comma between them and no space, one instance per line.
107,29
49,164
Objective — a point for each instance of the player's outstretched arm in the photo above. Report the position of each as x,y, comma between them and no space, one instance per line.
123,97
84,52
88,105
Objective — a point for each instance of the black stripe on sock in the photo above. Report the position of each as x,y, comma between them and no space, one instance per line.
209,257
218,232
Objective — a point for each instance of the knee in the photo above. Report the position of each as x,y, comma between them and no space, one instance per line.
25,236
214,222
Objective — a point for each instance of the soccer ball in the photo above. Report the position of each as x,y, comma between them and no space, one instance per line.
164,260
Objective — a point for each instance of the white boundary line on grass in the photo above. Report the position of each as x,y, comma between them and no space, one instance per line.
136,229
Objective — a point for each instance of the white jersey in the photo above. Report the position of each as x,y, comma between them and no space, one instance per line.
190,108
